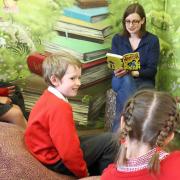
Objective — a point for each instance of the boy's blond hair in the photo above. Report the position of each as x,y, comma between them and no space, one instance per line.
57,64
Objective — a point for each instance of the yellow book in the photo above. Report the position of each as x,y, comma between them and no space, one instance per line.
129,61
103,27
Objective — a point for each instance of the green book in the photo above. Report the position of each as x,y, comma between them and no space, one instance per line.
83,50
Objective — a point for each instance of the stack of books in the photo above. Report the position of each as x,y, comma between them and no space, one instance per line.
87,20
83,32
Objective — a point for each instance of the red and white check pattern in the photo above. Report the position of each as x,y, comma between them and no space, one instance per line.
141,162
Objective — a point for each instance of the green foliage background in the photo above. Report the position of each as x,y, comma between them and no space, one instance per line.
162,20
23,32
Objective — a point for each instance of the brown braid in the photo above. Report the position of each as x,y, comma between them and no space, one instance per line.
169,127
150,117
125,131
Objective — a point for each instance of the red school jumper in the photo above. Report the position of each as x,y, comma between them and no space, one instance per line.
169,170
51,135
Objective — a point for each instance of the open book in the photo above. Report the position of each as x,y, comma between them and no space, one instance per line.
129,61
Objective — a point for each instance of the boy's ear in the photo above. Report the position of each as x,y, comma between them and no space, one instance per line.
54,80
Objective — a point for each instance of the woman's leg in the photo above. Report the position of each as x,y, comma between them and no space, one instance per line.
124,87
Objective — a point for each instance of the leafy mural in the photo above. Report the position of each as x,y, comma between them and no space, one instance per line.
24,25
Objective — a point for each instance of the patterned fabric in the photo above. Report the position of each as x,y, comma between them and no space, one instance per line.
16,162
141,162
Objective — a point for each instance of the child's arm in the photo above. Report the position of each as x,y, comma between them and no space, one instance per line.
66,140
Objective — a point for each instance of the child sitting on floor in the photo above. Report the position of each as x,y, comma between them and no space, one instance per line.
9,112
147,126
51,135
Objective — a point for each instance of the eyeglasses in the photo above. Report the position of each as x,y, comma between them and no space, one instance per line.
134,22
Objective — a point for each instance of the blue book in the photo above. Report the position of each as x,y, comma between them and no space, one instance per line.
90,15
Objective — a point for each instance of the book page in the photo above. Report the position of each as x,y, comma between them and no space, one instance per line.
131,61
114,61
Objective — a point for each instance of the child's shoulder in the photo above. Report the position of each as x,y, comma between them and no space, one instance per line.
52,99
173,159
175,155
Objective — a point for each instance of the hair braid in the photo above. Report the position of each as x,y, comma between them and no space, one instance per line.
170,124
128,111
149,118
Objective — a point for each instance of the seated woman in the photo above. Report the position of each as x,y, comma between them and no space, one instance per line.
134,38
9,112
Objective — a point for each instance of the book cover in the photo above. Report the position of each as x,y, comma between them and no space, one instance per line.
90,14
91,3
129,61
84,50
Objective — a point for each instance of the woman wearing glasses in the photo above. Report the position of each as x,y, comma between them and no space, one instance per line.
134,38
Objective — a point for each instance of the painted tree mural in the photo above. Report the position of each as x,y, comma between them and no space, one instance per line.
24,25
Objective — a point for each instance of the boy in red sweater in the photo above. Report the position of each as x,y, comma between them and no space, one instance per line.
10,112
147,126
51,135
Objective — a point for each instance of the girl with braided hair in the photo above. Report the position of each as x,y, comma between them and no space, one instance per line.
147,126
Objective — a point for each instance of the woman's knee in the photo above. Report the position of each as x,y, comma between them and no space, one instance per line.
124,82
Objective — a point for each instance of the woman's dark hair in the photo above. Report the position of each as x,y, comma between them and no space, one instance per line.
134,8
150,117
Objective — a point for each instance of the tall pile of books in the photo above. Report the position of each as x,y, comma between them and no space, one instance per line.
82,31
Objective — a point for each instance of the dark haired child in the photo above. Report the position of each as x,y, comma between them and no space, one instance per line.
147,126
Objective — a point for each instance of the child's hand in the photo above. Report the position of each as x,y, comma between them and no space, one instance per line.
5,100
120,72
11,90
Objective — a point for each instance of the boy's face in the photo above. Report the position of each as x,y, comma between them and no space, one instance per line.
70,82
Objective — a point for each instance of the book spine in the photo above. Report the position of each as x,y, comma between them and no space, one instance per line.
93,63
92,4
95,82
76,15
81,37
